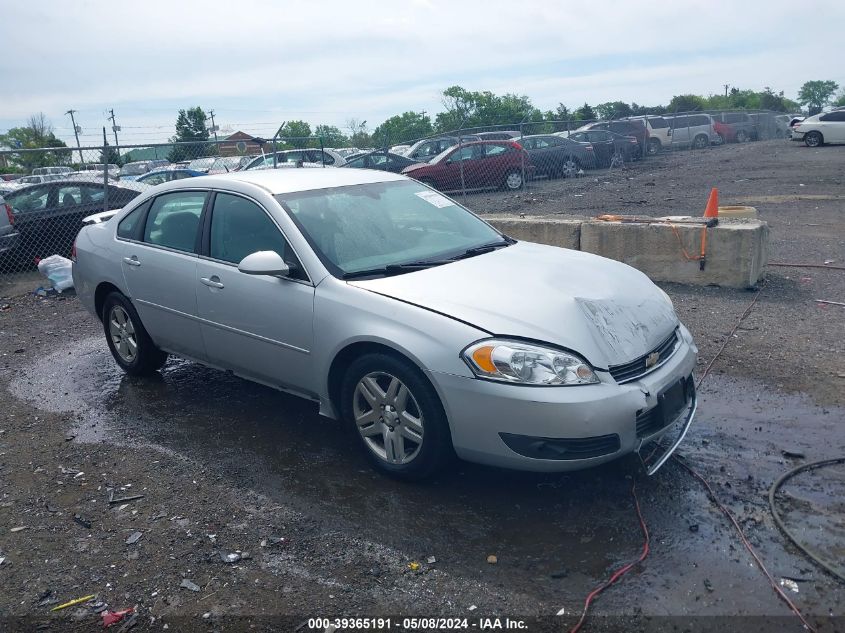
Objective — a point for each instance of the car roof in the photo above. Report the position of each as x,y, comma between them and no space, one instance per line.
276,181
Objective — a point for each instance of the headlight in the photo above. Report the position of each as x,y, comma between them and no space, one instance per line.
523,363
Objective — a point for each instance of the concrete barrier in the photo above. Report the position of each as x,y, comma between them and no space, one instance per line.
736,255
547,229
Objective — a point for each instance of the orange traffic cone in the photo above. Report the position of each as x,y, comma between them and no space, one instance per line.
712,209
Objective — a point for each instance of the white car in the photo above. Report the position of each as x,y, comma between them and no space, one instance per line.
827,127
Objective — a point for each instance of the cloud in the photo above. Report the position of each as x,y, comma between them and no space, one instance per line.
262,62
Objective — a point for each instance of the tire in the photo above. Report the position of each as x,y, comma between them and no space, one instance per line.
813,139
720,140
513,180
124,330
654,146
569,168
700,142
413,446
742,136
617,160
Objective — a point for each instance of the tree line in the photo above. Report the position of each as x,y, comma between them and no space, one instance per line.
462,110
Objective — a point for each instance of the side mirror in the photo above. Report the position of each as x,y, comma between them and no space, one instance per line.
264,263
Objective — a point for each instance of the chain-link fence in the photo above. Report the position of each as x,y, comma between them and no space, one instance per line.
55,188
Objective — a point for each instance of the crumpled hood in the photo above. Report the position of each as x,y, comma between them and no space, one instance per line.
604,310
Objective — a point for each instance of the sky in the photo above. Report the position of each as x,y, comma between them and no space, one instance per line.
258,63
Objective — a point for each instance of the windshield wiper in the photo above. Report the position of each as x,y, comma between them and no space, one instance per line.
395,269
484,248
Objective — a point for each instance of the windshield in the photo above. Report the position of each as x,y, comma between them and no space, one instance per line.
201,163
133,169
375,225
229,163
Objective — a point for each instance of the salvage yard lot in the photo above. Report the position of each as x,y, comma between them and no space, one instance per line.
226,466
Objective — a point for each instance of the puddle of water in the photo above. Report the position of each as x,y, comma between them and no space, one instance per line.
577,525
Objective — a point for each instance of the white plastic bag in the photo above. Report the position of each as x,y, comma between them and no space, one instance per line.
59,270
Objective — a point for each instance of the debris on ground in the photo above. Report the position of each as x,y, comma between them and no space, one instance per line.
708,585
414,566
187,584
83,522
73,602
59,270
18,529
134,537
431,560
113,617
792,454
230,558
492,559
789,584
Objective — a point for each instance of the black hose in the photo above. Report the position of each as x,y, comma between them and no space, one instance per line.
773,491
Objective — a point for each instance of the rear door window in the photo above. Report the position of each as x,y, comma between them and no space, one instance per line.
833,116
173,220
657,123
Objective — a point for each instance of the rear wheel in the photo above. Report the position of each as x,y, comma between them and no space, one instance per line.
700,142
513,180
653,146
128,341
397,417
569,168
813,139
617,160
742,136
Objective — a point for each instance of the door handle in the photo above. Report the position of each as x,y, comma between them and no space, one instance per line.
132,261
212,282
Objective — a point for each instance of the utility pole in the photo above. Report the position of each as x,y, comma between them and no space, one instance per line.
214,129
76,130
726,89
115,128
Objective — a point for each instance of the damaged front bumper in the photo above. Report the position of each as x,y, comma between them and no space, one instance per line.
554,429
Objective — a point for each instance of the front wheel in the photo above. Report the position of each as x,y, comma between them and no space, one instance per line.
813,139
653,146
701,141
742,136
397,417
128,341
513,180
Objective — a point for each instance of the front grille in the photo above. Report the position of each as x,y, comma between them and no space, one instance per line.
562,448
637,368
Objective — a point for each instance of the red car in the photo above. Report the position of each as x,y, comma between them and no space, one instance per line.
478,165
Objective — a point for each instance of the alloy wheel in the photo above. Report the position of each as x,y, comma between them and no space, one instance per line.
569,169
513,180
388,417
123,336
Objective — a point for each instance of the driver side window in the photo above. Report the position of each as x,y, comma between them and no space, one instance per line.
239,227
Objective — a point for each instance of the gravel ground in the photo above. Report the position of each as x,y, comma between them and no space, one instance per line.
230,467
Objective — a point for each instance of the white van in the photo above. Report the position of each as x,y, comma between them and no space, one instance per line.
692,130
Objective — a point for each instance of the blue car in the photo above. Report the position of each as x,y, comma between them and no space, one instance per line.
166,175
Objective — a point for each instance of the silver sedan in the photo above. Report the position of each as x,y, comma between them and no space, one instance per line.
399,312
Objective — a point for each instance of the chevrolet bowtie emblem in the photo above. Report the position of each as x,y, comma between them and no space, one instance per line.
651,359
